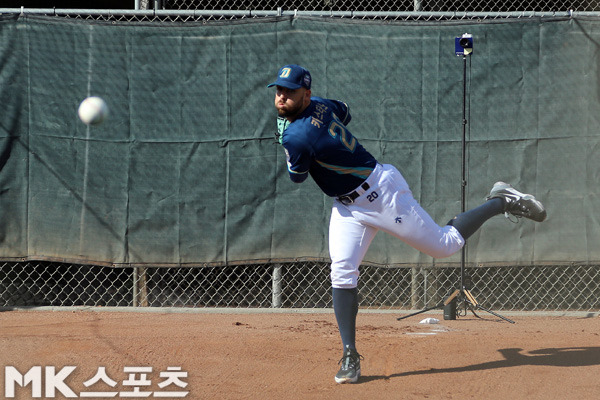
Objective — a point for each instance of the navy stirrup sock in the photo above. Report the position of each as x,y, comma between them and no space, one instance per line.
468,222
345,307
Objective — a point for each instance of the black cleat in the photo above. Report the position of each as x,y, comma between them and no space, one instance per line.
350,367
517,203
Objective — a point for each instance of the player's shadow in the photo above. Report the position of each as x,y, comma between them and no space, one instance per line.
513,357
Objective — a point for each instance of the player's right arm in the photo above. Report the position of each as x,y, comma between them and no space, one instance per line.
298,158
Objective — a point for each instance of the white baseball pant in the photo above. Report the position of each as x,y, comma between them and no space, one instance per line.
387,205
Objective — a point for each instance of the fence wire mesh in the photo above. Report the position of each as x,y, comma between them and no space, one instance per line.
295,285
182,11
388,5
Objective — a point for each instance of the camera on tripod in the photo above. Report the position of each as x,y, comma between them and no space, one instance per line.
463,45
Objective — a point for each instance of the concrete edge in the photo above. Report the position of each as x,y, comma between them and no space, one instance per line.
184,310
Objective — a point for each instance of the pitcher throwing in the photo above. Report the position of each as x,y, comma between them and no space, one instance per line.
368,197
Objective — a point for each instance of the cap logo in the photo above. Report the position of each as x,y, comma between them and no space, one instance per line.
285,72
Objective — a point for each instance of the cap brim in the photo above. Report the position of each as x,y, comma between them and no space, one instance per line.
284,84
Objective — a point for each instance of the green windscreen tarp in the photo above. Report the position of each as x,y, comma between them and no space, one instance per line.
186,170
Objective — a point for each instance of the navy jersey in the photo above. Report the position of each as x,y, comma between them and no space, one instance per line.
318,143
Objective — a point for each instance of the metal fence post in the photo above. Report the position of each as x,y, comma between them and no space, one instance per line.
135,288
140,289
276,296
415,288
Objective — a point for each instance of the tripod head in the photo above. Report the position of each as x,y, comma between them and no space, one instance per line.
463,45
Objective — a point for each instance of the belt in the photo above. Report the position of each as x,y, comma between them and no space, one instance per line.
349,198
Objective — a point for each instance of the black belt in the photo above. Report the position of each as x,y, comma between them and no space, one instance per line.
349,198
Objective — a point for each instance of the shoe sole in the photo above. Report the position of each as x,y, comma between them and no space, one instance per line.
348,380
501,186
540,215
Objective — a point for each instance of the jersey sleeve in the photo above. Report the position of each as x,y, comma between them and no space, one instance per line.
298,158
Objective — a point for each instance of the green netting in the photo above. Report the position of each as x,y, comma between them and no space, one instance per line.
186,169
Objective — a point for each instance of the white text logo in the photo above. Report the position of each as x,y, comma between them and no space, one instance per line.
46,382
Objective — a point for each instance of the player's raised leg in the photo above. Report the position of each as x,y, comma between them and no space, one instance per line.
470,221
503,198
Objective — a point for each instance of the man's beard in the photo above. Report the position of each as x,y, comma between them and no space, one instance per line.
290,113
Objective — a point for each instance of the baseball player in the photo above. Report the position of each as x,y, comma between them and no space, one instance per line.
367,197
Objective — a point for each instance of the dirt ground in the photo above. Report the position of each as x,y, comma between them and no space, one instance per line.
294,355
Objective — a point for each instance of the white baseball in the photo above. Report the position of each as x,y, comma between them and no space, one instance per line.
93,110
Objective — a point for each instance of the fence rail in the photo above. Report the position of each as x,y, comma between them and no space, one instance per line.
205,15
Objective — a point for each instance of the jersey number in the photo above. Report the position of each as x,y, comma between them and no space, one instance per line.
338,130
371,197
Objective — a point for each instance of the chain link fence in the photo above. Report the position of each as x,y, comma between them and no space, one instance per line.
386,10
389,6
303,284
295,285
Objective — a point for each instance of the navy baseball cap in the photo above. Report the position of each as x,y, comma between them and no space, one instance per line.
292,76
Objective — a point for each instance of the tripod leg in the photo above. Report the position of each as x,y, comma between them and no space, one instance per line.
470,297
474,304
420,312
470,306
497,315
440,305
451,297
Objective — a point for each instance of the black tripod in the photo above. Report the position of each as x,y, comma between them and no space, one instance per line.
463,294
